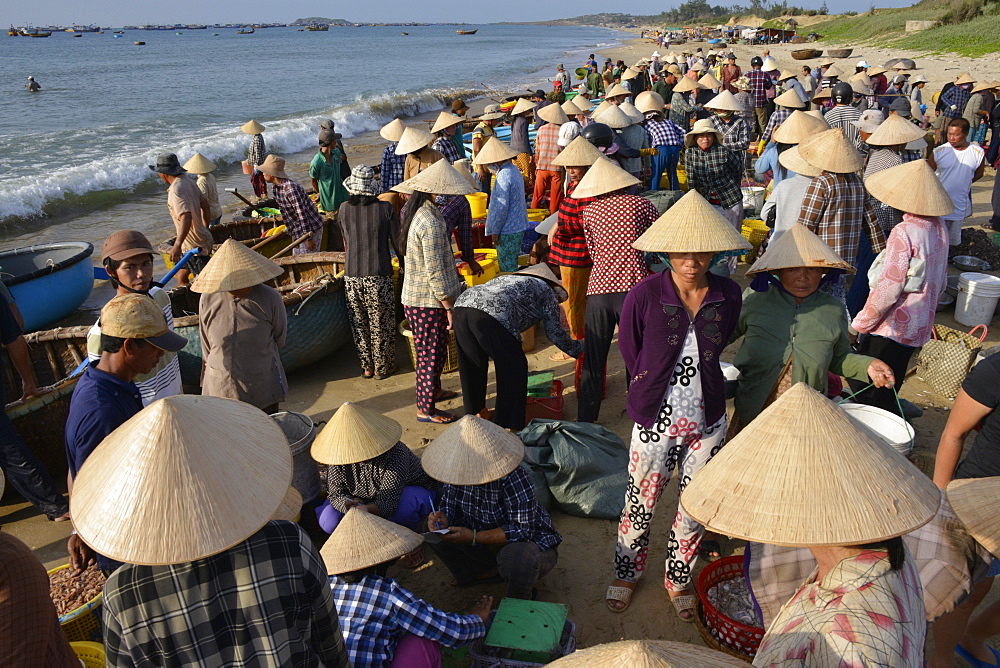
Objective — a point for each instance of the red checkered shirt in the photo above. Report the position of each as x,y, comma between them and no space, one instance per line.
298,212
569,246
547,147
836,208
611,225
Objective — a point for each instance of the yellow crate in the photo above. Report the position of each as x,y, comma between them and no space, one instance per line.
490,270
537,215
754,231
90,654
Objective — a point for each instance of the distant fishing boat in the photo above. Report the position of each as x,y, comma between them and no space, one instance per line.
49,281
139,43
405,33
245,32
315,27
467,32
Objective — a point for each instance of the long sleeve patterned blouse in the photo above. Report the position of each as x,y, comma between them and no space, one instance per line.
379,480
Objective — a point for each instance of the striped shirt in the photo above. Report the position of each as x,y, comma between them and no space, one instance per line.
569,246
840,117
547,147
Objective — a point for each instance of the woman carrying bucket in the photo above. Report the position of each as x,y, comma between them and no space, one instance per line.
907,277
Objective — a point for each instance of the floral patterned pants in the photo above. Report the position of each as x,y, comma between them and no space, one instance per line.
371,306
430,340
508,248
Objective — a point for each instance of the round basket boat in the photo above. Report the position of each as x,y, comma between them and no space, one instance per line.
840,53
806,54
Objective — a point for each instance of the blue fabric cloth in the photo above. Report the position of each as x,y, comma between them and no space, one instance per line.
768,162
508,211
415,503
858,294
665,160
376,613
994,569
100,404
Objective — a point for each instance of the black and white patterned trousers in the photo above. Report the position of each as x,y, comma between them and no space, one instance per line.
371,303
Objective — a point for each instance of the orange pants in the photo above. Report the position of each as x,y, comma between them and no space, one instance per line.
550,181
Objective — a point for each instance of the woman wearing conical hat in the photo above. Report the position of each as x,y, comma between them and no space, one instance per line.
796,127
793,332
202,168
256,153
507,216
673,327
734,129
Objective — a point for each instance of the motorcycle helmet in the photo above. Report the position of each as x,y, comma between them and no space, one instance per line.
599,134
756,61
842,93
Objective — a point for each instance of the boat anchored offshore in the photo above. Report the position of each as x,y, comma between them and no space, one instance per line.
467,32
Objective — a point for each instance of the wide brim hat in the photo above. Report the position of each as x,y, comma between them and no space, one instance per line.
691,225
786,74
252,127
523,105
616,91
199,164
614,117
446,120
981,86
709,81
604,176
791,159
799,247
583,104
185,478
920,78
494,151
273,165
790,100
647,654
894,130
724,101
976,502
167,163
630,73
392,131
831,151
869,121
355,434
492,112
413,139
579,153
673,69
553,113
964,78
686,85
805,474
472,451
648,101
363,540
441,178
832,71
234,267
743,83
701,127
362,181
912,187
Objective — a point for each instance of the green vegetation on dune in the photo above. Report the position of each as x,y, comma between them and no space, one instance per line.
974,38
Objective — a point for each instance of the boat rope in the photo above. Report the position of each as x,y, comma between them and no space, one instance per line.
320,281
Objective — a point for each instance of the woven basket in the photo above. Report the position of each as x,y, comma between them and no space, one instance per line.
712,643
754,231
91,654
451,364
738,637
84,623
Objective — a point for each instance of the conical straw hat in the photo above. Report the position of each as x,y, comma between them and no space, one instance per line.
692,225
604,176
583,104
493,151
553,113
579,153
355,434
185,478
964,78
631,111
822,94
441,178
617,90
601,108
199,164
818,115
805,474
647,654
976,502
894,130
799,247
833,71
290,508
252,127
393,130
234,267
831,152
570,108
791,159
613,117
523,105
362,540
413,139
473,451
786,74
912,187
724,101
687,84
770,64
445,120
709,81
877,70
863,78
647,101
630,73
790,99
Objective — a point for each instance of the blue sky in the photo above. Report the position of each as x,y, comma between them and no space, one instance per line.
121,12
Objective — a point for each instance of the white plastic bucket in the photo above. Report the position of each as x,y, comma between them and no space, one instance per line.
753,196
977,298
889,427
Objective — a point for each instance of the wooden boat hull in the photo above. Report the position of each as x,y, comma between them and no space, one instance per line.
840,53
312,289
49,281
467,32
806,54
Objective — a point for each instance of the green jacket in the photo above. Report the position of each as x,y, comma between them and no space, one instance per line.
813,333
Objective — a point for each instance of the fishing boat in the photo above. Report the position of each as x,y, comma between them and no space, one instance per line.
312,289
315,27
467,32
245,32
49,281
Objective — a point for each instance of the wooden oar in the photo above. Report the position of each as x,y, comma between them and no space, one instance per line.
267,240
251,204
292,245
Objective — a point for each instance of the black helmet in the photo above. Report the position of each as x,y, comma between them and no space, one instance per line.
599,134
756,61
842,93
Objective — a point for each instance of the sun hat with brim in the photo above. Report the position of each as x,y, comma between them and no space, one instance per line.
702,126
137,316
441,178
199,164
362,181
167,163
691,225
630,73
877,70
631,111
743,83
472,451
604,176
614,117
799,247
363,540
724,101
831,152
617,90
920,78
446,120
185,478
523,105
553,113
709,81
413,140
687,84
273,165
790,100
981,86
494,151
647,654
964,78
894,130
234,267
252,127
805,474
355,434
912,187
123,244
869,121
648,101
673,69
786,74
790,159
290,508
976,502
579,153
491,112
393,130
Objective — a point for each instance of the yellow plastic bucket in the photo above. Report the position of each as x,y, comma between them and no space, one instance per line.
477,202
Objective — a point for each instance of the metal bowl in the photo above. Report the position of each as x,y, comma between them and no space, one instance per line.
947,299
970,263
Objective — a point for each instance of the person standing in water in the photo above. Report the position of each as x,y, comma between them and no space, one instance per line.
32,85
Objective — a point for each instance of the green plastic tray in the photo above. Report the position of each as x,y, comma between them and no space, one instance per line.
529,626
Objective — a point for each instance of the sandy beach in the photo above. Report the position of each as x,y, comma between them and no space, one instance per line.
584,569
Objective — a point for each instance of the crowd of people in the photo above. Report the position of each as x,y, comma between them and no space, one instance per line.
184,501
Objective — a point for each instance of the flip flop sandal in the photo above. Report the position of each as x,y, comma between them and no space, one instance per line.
685,603
621,594
710,550
973,661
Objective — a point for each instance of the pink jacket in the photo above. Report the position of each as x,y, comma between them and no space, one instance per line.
907,317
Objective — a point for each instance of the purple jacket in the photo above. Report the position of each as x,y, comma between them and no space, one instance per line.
651,336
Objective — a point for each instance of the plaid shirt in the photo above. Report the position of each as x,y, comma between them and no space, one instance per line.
957,97
256,154
446,147
715,173
298,212
836,207
547,147
664,133
429,264
392,167
880,158
777,118
376,613
508,503
760,82
457,216
263,602
569,246
735,133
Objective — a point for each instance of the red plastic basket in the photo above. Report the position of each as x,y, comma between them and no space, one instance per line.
727,631
550,407
479,237
579,374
